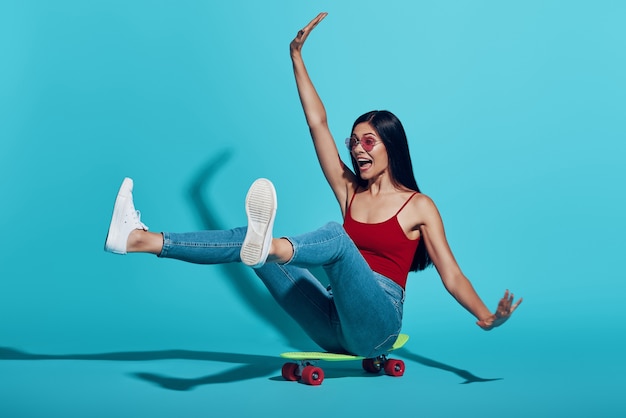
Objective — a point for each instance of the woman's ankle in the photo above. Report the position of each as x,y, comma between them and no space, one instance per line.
281,251
140,241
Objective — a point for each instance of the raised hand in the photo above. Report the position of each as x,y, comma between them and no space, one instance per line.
503,312
298,42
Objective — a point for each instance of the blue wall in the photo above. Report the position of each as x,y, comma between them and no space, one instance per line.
514,111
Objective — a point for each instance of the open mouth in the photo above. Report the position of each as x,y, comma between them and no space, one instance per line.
364,163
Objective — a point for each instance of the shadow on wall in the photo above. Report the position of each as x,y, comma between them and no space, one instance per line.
239,277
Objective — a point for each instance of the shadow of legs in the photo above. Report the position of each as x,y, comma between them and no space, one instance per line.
250,366
240,278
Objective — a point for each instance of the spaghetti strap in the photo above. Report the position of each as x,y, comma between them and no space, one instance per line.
405,203
351,200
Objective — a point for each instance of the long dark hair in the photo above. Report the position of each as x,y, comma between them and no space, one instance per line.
391,132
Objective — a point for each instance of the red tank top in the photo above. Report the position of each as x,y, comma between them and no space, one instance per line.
384,245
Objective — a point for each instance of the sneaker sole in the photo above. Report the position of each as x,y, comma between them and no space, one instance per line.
261,210
124,193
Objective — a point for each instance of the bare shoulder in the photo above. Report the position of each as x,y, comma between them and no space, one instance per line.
422,210
423,203
419,211
422,199
421,219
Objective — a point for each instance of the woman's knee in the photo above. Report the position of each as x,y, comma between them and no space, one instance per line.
335,227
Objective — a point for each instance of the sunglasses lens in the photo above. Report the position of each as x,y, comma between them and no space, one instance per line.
368,144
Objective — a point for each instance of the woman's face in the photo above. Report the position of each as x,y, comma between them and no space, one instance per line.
373,160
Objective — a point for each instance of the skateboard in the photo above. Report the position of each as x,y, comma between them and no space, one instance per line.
305,370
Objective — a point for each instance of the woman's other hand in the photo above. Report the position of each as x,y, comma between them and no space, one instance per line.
505,309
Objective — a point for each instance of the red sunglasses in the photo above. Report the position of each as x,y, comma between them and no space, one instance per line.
367,143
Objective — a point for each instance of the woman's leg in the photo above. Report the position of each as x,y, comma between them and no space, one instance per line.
204,247
252,244
368,305
306,300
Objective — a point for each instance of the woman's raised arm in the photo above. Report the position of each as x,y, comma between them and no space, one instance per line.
338,175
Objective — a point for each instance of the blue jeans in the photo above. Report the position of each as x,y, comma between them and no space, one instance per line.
360,314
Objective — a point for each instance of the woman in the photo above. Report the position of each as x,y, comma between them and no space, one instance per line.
389,229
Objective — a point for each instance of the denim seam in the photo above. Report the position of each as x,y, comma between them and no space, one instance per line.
205,245
168,244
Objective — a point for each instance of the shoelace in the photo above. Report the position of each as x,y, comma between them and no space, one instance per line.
137,219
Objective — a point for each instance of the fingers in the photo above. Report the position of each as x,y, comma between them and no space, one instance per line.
296,45
312,24
507,296
506,305
510,298
503,312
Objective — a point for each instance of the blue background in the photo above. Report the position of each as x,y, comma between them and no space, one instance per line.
515,115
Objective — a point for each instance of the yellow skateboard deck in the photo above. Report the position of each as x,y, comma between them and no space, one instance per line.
326,356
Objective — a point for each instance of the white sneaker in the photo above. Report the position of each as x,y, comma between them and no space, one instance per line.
125,219
261,210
